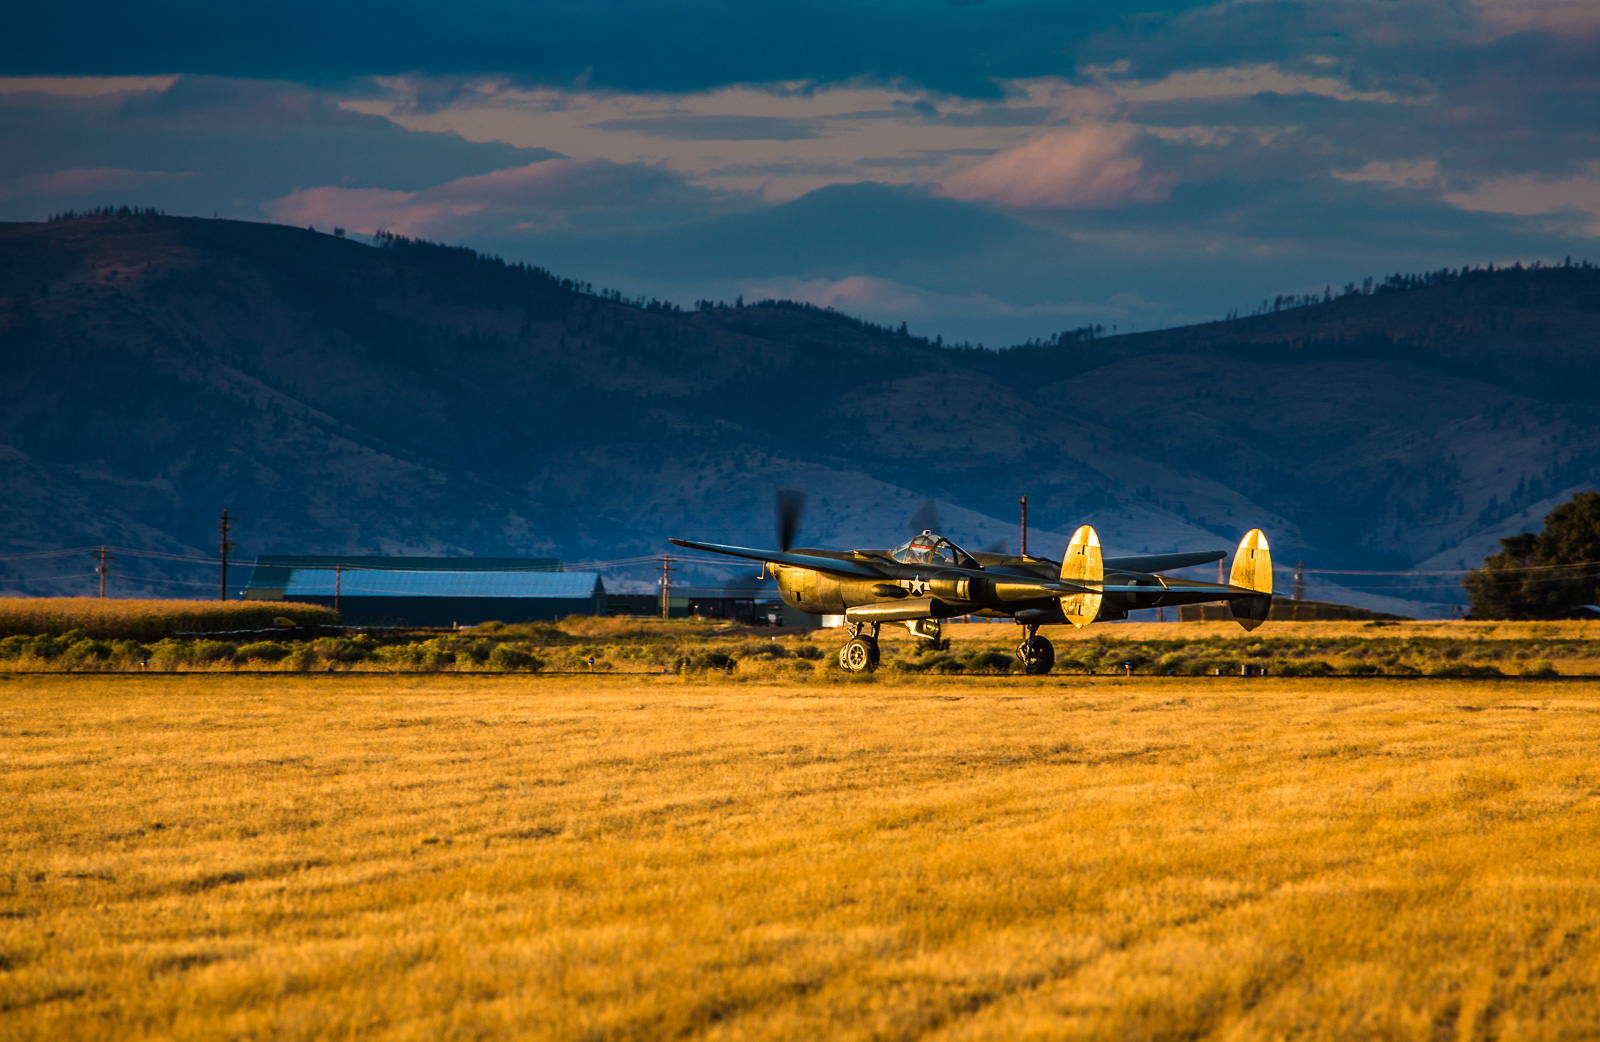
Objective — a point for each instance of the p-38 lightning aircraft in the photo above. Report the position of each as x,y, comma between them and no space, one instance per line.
928,578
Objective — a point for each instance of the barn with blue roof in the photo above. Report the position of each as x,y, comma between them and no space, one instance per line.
430,591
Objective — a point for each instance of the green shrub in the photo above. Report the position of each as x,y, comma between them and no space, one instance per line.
810,652
507,658
213,652
990,662
706,660
15,647
1539,668
341,649
303,657
267,651
170,653
86,653
425,656
1306,668
1464,669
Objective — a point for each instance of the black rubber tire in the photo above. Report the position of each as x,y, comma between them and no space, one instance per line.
859,655
1038,656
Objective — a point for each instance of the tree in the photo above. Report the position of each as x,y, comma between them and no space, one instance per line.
1542,576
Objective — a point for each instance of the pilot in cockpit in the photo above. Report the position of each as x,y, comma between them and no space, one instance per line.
930,549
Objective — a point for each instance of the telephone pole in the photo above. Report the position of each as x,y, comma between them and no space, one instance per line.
666,584
1024,526
226,546
338,575
101,568
1300,581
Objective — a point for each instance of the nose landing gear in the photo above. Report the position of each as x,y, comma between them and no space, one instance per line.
860,652
1037,655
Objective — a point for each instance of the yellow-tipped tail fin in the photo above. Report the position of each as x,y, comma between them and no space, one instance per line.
1252,569
1082,562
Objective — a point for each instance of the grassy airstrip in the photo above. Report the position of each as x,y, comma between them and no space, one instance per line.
365,855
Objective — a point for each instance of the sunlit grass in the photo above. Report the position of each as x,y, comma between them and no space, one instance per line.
284,856
111,618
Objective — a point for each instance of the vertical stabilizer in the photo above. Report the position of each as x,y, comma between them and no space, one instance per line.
1252,570
1082,563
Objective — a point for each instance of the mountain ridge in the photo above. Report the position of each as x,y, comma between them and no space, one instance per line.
410,397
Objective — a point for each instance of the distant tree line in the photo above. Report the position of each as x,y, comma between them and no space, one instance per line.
106,211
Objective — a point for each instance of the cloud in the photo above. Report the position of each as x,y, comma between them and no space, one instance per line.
688,127
558,194
92,181
236,144
623,44
83,86
1528,194
1072,168
1421,173
1500,18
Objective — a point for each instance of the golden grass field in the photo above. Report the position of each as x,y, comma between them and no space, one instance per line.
152,619
461,857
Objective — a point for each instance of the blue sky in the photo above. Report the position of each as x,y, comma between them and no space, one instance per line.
988,171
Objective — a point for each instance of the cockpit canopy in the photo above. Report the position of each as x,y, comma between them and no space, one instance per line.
933,550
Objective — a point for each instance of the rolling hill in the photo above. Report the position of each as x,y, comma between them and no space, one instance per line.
340,396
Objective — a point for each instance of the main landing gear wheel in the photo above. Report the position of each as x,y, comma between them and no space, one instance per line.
859,655
1038,655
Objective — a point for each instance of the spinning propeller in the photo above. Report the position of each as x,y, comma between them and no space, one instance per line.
790,504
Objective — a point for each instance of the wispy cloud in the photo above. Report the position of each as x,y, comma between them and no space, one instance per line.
1070,168
557,194
91,181
690,127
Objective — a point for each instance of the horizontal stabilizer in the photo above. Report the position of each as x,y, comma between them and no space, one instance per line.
1163,562
837,566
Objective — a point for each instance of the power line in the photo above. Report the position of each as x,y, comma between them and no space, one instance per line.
40,554
162,582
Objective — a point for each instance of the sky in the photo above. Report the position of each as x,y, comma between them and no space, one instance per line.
986,171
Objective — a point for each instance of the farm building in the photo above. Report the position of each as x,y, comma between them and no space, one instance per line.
430,591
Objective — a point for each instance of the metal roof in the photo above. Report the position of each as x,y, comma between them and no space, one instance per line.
375,582
272,571
413,564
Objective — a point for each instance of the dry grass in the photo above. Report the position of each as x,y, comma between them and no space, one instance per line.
1447,629
538,857
111,619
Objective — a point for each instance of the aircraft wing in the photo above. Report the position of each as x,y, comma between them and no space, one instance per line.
1071,586
838,566
1151,563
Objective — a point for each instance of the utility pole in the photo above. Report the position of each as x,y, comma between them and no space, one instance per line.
666,584
101,568
1222,572
338,575
1300,581
225,528
1024,526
